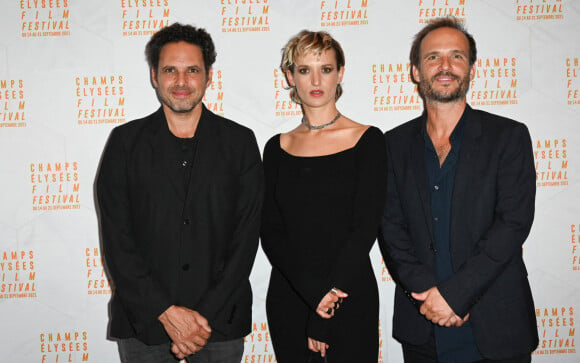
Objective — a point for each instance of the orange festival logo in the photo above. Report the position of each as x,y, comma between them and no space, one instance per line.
385,275
393,88
55,185
143,17
241,16
342,13
64,346
551,158
12,102
97,281
431,9
43,18
495,82
556,328
100,99
214,94
574,241
258,345
18,275
381,359
572,84
539,10
283,105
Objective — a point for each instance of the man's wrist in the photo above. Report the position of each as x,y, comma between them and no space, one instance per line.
163,317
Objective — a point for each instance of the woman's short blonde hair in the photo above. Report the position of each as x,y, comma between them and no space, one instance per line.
309,42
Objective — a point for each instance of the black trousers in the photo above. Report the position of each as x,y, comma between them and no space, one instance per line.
428,354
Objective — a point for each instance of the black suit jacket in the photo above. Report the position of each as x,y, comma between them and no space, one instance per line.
163,246
491,215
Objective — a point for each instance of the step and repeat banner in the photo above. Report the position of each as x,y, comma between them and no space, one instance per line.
70,71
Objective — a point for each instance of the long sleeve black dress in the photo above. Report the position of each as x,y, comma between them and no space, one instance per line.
320,219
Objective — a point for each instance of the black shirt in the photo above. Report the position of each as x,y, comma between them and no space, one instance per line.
182,151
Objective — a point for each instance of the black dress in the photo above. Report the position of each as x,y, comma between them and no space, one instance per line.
320,219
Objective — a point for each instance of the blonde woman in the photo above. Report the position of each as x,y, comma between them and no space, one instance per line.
325,192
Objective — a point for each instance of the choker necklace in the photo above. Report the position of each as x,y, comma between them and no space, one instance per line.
318,127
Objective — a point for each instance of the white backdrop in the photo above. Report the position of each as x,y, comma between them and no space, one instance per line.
72,70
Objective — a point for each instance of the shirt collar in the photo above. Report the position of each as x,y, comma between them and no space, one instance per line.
456,135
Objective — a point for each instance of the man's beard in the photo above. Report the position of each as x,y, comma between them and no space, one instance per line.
431,94
178,106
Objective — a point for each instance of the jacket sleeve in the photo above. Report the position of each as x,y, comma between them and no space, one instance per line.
274,236
369,201
141,295
244,244
513,215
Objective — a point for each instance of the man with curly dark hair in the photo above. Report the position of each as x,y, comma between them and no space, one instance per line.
180,195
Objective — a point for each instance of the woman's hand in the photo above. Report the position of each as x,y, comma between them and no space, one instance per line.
316,346
330,303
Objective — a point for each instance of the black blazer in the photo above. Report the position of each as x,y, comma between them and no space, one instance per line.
491,215
163,246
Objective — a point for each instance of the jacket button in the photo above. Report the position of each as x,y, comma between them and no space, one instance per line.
185,267
186,222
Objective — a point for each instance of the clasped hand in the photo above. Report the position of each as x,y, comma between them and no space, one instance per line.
316,346
436,309
188,330
330,303
326,309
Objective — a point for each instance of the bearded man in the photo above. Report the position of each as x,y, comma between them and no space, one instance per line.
180,194
460,204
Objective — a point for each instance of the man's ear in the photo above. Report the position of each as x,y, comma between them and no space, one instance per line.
153,76
209,77
416,74
472,73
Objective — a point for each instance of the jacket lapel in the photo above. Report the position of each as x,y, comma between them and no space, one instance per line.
418,167
466,171
205,153
160,139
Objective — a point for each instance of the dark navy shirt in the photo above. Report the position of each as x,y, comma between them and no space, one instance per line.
454,345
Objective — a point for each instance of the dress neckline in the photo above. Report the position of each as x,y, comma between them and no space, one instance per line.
325,155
